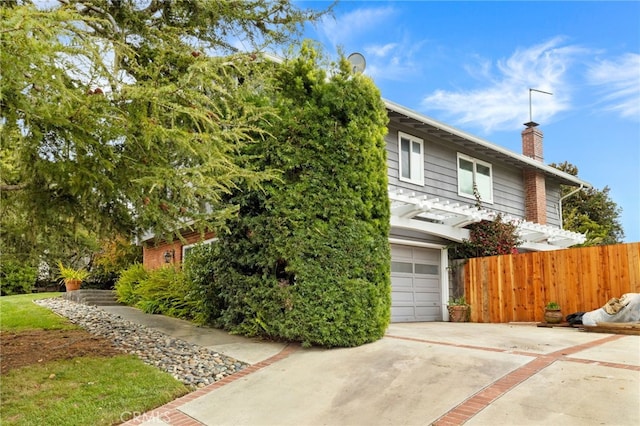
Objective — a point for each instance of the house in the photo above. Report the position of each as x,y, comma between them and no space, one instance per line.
433,169
155,255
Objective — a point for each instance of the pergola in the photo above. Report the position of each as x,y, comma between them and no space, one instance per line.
448,220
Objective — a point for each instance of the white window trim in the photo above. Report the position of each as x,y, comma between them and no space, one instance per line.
474,161
419,180
188,246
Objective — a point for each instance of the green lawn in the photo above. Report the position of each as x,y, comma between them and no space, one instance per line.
18,313
81,391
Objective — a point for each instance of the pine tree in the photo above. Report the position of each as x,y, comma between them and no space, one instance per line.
127,116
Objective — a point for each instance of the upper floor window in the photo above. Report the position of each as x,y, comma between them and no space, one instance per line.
411,151
473,172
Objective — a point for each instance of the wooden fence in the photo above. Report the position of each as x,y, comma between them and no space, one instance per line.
517,287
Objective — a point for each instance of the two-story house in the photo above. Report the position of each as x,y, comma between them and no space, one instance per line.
433,169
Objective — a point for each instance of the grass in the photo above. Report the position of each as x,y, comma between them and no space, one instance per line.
80,391
84,391
19,313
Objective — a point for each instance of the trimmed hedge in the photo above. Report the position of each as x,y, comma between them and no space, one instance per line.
307,259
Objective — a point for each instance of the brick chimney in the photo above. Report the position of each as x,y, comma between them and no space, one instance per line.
535,199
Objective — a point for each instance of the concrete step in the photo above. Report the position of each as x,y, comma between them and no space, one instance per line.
93,297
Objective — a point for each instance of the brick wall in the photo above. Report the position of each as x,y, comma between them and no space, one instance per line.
153,255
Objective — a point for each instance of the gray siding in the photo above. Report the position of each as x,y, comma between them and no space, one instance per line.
553,203
440,165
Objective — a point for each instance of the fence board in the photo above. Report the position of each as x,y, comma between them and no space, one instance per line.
633,259
588,300
539,279
603,291
614,275
517,287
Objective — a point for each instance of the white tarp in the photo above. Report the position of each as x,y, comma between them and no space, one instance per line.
623,309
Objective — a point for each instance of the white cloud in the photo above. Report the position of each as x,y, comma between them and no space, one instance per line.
343,29
503,104
394,61
387,58
619,80
480,70
378,50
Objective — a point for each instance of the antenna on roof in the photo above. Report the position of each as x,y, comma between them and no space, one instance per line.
531,123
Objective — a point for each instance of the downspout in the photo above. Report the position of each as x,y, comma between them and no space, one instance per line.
565,197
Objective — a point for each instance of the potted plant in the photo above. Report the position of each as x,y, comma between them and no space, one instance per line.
458,309
72,277
552,313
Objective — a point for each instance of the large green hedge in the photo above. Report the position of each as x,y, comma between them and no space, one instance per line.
307,259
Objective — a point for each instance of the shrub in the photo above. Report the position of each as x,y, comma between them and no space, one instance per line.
16,278
487,238
101,279
307,259
199,274
160,291
128,282
116,254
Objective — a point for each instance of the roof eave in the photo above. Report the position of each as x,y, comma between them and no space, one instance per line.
526,161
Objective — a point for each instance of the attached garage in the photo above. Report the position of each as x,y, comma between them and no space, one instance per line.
416,293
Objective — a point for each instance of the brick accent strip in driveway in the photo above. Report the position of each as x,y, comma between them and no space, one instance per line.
169,413
479,401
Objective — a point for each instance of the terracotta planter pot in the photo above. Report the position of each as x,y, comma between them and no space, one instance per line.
72,285
553,316
458,313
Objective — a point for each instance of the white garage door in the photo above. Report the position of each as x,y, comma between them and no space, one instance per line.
415,284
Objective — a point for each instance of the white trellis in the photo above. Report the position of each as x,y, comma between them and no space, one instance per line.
446,219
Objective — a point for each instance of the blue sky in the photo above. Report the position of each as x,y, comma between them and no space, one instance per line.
471,64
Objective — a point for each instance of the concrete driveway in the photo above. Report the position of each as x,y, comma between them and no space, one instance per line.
430,373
